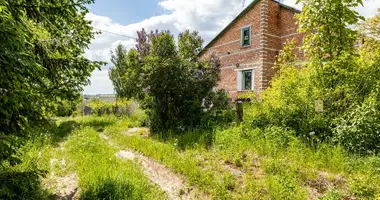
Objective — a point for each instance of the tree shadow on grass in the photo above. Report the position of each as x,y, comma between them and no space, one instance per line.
98,125
190,139
59,132
22,185
111,189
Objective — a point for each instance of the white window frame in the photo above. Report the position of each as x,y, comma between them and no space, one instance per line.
240,79
242,36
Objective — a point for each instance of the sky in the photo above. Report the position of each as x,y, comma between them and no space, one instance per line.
125,17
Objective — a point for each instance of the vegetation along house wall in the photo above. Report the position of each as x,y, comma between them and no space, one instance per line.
249,45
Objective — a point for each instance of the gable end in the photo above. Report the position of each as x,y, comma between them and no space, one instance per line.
248,8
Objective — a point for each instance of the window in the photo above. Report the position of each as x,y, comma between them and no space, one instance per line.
246,36
245,80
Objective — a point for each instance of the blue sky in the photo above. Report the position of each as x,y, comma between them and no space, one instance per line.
126,11
125,17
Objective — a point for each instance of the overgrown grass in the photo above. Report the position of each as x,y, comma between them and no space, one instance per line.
272,163
275,164
74,146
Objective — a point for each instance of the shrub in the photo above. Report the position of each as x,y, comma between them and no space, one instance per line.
21,185
220,111
289,103
66,108
179,88
279,135
359,130
121,107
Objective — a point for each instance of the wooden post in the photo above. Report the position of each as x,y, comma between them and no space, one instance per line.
239,112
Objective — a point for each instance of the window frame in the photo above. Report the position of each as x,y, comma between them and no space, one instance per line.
249,28
243,75
241,79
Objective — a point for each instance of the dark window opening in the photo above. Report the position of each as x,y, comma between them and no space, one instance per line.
246,36
247,80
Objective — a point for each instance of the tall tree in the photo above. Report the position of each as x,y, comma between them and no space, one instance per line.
119,61
330,50
174,86
41,57
126,74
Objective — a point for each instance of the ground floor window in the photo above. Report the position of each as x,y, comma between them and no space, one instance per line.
245,80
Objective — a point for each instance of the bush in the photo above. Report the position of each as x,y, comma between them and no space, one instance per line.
220,111
179,92
289,103
359,130
66,108
122,107
21,185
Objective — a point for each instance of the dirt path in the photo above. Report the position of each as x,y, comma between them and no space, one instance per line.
63,187
67,187
173,185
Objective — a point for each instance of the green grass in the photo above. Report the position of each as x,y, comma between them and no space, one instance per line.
274,165
76,141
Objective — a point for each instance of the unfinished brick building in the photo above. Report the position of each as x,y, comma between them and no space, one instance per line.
248,46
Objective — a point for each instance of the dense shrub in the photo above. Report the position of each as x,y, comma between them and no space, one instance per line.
66,108
359,130
345,79
220,111
175,87
180,91
122,107
289,103
21,185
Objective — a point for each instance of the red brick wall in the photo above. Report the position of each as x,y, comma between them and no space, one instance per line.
271,26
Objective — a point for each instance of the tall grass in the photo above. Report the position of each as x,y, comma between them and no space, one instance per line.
76,141
276,164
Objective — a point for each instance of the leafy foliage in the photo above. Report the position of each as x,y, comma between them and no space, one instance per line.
175,87
121,107
126,72
338,73
66,108
330,51
41,60
359,131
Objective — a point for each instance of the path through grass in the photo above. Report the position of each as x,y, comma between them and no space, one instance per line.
243,163
228,163
85,159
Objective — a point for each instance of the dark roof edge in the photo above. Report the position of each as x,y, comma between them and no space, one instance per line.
242,13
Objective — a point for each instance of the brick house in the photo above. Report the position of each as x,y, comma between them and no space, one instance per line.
249,45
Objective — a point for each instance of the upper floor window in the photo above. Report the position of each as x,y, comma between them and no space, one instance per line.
246,36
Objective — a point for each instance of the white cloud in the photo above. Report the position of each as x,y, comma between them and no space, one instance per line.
369,8
100,83
207,16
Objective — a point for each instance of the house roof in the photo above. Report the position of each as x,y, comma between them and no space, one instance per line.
248,8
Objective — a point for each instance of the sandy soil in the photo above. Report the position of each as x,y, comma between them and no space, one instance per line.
172,184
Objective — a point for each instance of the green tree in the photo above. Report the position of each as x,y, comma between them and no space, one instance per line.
126,73
339,72
331,54
329,46
175,87
358,129
120,66
180,87
42,45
